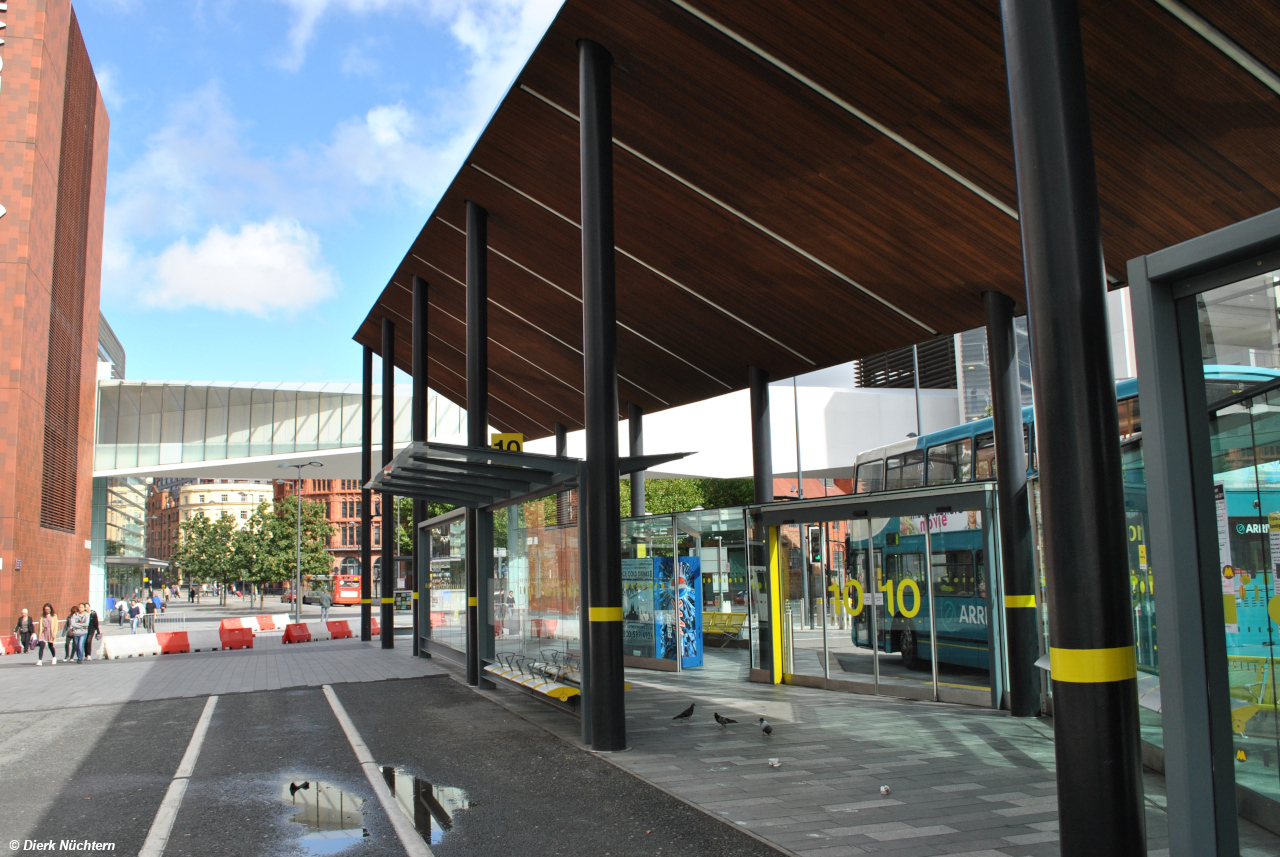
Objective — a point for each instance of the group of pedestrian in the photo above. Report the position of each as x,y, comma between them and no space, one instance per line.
137,612
79,631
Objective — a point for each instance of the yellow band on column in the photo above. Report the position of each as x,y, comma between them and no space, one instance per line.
388,601
1092,666
606,614
415,596
473,602
366,600
1019,601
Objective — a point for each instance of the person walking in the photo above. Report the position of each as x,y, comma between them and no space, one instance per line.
67,642
326,601
46,633
24,630
78,629
122,605
135,613
93,632
149,624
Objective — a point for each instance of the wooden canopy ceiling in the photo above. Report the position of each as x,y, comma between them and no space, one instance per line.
802,182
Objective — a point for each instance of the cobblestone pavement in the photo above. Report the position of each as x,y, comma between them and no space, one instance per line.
270,665
962,781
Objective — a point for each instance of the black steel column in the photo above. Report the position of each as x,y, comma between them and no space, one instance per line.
1022,637
762,472
1092,659
477,411
386,619
761,434
366,496
635,434
600,368
421,582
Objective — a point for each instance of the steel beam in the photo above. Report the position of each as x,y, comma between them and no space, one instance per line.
1091,654
366,498
421,563
600,390
477,416
761,434
635,435
388,590
1022,636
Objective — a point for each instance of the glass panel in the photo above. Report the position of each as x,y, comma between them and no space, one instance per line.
942,464
284,417
308,418
130,406
913,469
194,419
449,584
717,539
854,655
870,477
649,622
172,401
104,454
1240,349
962,598
149,425
261,425
351,423
329,433
964,459
901,605
239,411
535,590
893,473
984,464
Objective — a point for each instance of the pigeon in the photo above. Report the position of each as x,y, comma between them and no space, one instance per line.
775,763
884,790
765,727
724,721
684,715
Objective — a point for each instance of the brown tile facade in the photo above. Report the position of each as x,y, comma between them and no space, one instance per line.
55,564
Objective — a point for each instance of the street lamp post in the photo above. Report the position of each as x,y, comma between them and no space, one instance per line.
297,493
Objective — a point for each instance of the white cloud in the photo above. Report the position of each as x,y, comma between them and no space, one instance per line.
265,267
109,86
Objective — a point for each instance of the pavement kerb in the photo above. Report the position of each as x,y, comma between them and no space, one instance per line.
496,696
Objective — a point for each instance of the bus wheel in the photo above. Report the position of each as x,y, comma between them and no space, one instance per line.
911,652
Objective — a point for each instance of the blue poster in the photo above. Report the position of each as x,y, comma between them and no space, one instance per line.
687,591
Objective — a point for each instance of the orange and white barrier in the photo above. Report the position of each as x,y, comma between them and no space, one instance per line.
274,622
10,644
175,642
311,632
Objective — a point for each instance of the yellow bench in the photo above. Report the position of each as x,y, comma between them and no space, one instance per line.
1252,688
727,626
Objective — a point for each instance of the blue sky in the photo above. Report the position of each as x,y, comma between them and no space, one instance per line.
271,160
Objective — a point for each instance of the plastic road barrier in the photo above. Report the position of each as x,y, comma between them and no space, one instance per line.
176,642
310,632
274,622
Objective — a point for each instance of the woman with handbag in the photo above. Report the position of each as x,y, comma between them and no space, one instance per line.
46,634
25,631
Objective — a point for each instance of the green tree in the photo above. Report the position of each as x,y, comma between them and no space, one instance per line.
279,541
404,516
204,550
666,496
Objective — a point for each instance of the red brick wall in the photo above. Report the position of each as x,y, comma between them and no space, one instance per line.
55,564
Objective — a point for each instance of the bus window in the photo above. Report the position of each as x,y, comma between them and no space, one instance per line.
870,477
953,574
964,459
1130,418
893,473
985,463
900,566
942,464
913,469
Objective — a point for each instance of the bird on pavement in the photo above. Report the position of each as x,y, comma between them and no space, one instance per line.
765,727
294,788
686,714
724,721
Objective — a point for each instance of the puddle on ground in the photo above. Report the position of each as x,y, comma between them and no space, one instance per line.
431,808
333,818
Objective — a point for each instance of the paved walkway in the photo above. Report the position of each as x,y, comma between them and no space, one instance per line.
268,666
963,781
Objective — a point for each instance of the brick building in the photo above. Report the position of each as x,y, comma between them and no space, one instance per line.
53,170
342,504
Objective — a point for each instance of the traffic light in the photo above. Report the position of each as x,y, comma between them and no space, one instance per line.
815,544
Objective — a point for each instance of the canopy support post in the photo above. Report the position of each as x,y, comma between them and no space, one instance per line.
600,365
477,419
421,553
1091,655
366,498
388,588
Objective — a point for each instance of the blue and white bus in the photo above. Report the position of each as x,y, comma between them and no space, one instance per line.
960,571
